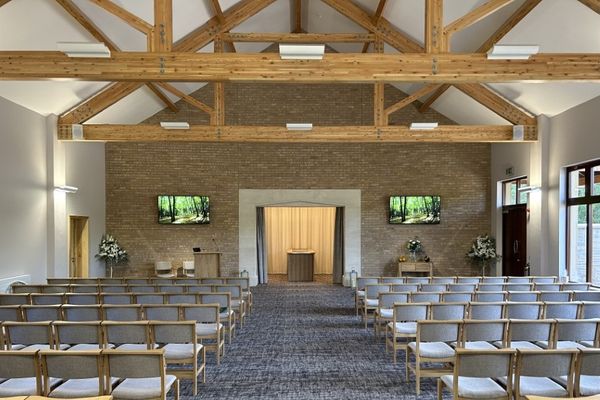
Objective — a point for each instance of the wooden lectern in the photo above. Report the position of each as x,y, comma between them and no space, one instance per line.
207,264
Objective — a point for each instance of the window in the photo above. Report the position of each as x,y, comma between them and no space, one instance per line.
583,222
511,194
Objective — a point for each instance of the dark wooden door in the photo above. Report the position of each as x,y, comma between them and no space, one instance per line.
514,240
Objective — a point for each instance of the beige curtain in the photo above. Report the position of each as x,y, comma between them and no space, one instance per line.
299,228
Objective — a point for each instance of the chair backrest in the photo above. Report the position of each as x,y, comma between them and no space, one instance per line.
20,364
199,288
405,287
142,288
373,290
589,362
162,266
158,281
171,288
575,286
26,289
448,311
518,279
47,298
82,298
136,281
473,280
361,282
541,330
113,288
493,279
243,282
122,312
84,281
524,310
116,298
188,265
111,281
555,296
222,299
457,297
11,313
577,330
518,287
234,290
387,299
432,287
72,333
72,365
184,298
589,309
543,279
493,297
394,280
442,280
132,332
438,331
547,287
411,312
490,287
545,363
82,313
186,281
417,279
484,331
462,287
486,311
591,295
484,364
84,288
164,332
135,364
55,288
201,313
41,313
523,296
58,281
562,310
425,297
212,281
164,312
148,298
14,299
28,333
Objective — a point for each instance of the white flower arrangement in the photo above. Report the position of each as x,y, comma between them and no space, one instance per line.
483,248
414,245
110,251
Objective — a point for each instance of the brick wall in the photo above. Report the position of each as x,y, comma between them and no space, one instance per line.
137,172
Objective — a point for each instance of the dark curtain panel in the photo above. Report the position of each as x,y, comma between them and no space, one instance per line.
338,246
261,246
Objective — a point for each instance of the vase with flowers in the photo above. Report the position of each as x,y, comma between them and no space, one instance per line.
483,251
414,247
111,252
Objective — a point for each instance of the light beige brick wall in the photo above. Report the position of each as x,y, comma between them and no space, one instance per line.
137,172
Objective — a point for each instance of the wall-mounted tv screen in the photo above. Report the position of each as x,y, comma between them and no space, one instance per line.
409,210
183,210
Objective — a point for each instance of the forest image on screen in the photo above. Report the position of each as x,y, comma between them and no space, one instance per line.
182,210
415,209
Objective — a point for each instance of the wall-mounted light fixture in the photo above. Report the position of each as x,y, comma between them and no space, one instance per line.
84,49
423,126
512,52
66,189
301,51
175,125
299,127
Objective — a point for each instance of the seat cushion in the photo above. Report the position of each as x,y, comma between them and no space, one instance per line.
475,388
433,349
405,328
87,346
236,303
165,275
372,302
142,388
360,294
589,385
87,387
18,387
519,344
34,347
539,386
134,346
207,329
587,343
17,346
386,313
225,315
179,351
479,345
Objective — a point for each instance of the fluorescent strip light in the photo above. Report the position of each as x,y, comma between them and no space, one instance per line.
527,189
299,127
66,189
301,51
84,49
423,126
512,52
175,125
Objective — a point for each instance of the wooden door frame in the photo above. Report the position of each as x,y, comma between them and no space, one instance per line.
85,236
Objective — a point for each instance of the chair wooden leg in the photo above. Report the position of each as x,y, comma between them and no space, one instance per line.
440,387
418,374
406,364
203,364
177,389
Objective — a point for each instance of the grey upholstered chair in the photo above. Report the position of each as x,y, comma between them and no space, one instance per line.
482,334
41,299
11,313
527,296
589,309
30,336
490,287
238,305
547,287
15,299
161,312
79,371
543,279
562,310
523,334
199,289
142,288
171,288
392,280
472,280
359,293
181,298
79,336
524,310
433,287
105,288
575,334
486,311
587,374
82,299
370,300
41,313
575,286
421,280
84,288
116,298
493,279
405,287
226,313
518,279
457,297
208,326
403,327
493,297
148,298
82,312
130,336
462,287
19,373
448,311
555,296
425,297
385,309
591,295
442,280
122,312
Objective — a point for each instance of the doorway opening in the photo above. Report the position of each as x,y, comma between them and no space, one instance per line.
78,247
514,227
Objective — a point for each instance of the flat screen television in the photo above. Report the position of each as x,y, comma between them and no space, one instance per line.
183,210
409,210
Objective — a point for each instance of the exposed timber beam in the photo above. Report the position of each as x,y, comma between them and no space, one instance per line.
340,134
187,98
269,67
376,16
70,7
593,4
3,2
297,16
194,41
435,41
497,104
131,19
379,117
161,37
218,117
163,97
382,27
218,12
506,27
298,37
475,16
424,91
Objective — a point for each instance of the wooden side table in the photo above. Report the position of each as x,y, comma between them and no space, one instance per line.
422,268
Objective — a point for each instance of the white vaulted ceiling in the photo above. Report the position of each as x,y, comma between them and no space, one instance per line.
559,26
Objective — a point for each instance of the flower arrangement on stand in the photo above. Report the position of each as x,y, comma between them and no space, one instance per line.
414,246
483,250
111,252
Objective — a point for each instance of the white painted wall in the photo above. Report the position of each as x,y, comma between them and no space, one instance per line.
84,164
23,197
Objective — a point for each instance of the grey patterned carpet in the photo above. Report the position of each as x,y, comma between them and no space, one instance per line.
303,341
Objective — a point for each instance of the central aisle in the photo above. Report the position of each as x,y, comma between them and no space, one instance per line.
303,341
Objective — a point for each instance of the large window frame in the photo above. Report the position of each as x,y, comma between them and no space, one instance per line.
588,200
520,198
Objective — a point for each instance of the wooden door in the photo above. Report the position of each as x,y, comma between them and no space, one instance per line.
514,240
78,247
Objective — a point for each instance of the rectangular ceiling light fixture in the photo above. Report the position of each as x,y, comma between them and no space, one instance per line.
84,49
301,51
66,189
512,52
175,125
299,127
423,126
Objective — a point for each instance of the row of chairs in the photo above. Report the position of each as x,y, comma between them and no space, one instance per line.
518,374
146,280
77,374
463,279
435,342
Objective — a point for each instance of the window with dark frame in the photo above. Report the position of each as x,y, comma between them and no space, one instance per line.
511,195
583,222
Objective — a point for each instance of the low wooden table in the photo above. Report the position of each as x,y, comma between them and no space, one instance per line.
300,265
424,268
